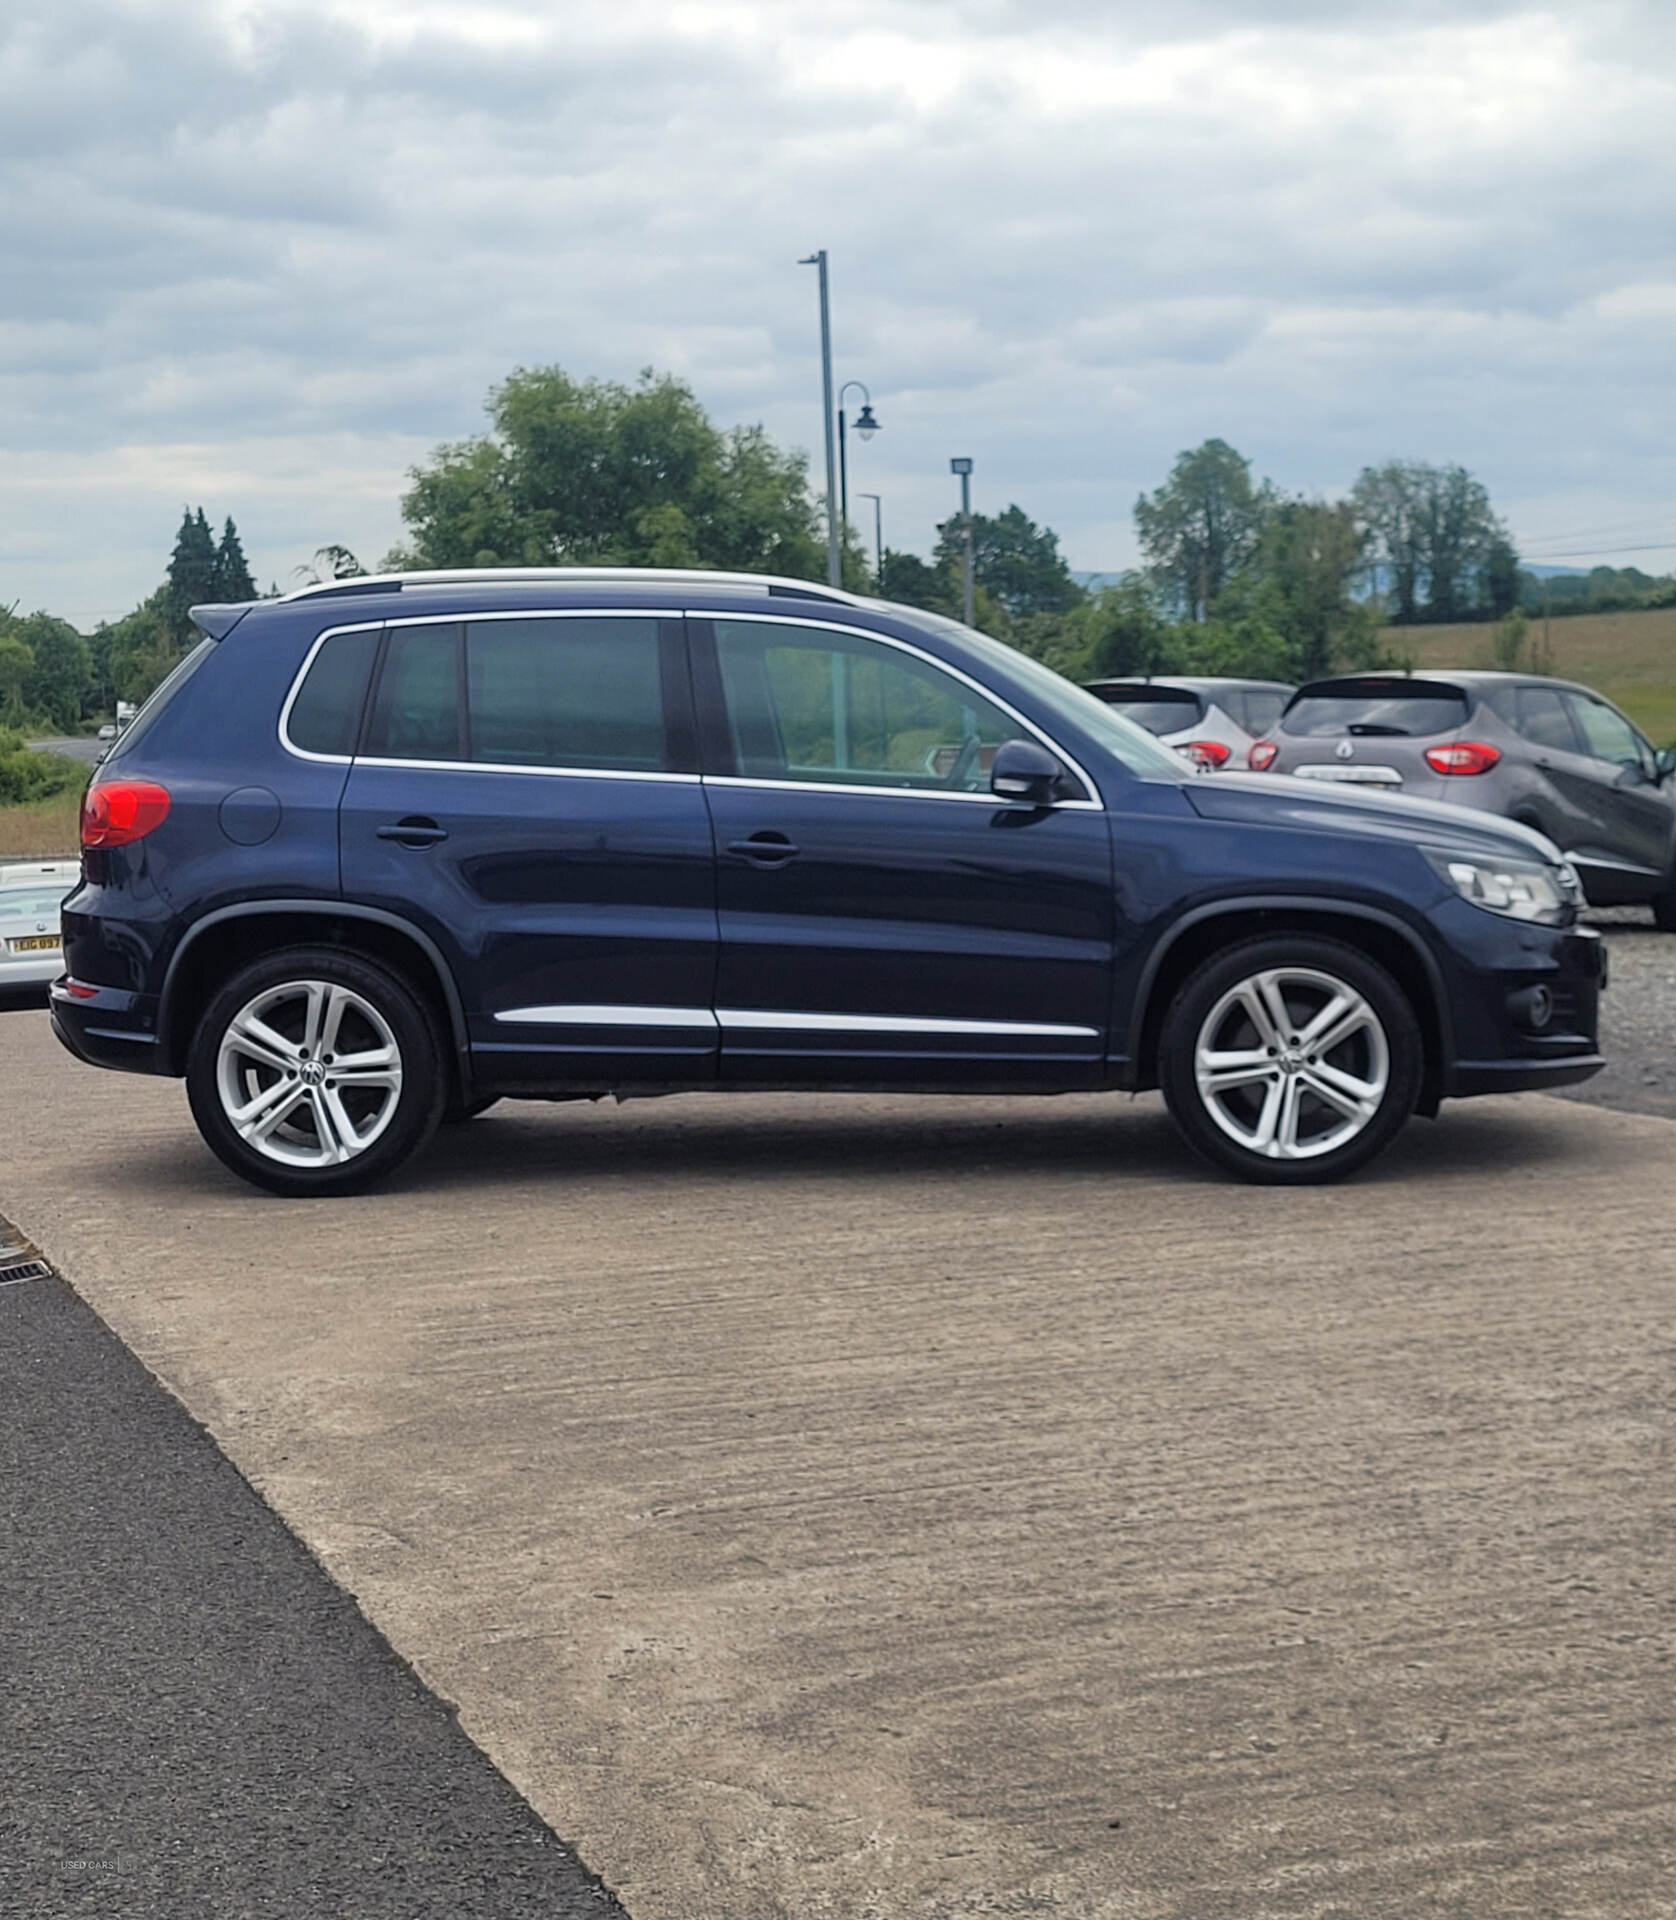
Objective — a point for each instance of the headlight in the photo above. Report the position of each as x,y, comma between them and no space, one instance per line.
1523,890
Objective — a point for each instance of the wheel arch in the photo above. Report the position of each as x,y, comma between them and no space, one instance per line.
1381,936
230,936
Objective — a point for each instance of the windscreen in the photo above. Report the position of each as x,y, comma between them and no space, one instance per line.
1158,709
1374,708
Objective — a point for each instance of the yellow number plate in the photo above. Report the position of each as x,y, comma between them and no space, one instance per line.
36,943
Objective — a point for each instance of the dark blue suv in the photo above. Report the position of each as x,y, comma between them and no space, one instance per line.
388,850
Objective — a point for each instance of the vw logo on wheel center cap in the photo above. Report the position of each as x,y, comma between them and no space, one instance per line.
313,1074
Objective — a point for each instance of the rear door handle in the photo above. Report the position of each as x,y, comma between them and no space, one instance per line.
767,849
417,830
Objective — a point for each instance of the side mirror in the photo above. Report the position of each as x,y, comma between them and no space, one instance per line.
1664,765
1025,771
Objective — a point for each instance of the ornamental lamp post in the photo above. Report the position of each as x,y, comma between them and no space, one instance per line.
865,426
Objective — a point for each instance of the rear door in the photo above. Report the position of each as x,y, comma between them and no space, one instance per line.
884,919
526,791
1614,783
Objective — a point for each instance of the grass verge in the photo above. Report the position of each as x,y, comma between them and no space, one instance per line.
1630,657
46,829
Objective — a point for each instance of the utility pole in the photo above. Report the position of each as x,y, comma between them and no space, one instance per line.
968,592
834,550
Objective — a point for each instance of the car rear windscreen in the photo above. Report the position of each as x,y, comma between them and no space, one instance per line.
1374,709
1158,709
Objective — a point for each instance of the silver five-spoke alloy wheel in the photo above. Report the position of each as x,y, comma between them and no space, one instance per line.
1292,1063
309,1073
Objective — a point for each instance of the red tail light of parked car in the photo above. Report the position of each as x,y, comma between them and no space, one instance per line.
1465,756
1205,753
115,813
1260,756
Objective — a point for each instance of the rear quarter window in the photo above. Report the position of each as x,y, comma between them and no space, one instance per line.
1376,712
325,715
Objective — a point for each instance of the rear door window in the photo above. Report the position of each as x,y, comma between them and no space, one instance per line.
1539,716
418,712
1375,710
566,692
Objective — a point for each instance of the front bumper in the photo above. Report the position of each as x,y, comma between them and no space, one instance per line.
105,1026
1495,1053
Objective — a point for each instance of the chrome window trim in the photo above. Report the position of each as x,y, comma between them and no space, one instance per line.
762,1020
1095,805
470,766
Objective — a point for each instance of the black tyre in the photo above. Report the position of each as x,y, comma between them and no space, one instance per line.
1290,1060
315,1071
1664,908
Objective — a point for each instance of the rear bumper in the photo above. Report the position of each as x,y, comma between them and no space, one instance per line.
105,1026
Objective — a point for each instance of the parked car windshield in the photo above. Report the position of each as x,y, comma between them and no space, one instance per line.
1155,708
1388,708
1132,746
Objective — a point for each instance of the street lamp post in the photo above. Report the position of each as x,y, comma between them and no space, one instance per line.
834,550
967,590
866,426
878,539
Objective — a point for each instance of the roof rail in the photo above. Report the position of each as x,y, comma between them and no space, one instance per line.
580,576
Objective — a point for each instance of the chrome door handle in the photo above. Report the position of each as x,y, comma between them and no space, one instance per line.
418,830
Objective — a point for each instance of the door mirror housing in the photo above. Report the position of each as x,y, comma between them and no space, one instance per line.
1664,765
1025,771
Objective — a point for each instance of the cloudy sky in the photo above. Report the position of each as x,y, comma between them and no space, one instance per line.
265,254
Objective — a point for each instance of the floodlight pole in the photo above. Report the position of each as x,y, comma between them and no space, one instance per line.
834,550
968,594
878,539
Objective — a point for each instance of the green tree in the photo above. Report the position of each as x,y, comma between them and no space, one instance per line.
192,572
62,674
1122,632
911,581
1016,560
1435,541
1304,575
232,574
141,647
17,662
1202,526
595,473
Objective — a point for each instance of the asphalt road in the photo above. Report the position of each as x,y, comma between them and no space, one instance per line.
193,1718
82,746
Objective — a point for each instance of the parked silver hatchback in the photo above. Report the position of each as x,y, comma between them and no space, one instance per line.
1548,753
1208,720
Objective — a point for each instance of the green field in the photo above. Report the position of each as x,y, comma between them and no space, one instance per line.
44,828
1630,657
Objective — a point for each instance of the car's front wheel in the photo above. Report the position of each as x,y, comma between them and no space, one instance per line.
1290,1060
314,1071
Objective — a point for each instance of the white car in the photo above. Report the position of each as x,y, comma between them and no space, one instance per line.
31,951
1209,721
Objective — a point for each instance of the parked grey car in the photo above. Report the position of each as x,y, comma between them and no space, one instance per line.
1212,721
1549,753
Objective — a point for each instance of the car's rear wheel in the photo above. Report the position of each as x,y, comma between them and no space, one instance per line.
1290,1060
314,1071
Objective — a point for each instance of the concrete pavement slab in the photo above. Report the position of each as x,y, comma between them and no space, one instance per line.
851,1506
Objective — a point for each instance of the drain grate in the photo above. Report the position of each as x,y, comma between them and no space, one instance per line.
18,1260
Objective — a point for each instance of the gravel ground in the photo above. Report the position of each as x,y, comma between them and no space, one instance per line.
1638,1019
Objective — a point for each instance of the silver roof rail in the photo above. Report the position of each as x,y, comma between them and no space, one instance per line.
582,576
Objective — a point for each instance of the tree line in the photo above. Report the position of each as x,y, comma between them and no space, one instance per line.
1238,576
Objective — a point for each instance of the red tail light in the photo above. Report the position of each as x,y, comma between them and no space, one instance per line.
1465,756
1208,753
115,813
1261,755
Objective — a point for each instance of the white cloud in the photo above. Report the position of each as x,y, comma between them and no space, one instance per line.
300,238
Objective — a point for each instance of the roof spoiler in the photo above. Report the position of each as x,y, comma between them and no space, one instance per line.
218,619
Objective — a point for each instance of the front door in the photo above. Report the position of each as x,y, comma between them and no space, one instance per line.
1614,784
526,794
883,918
